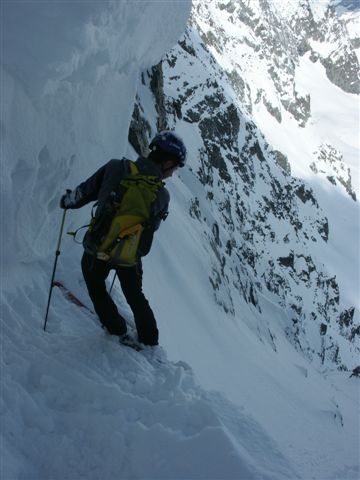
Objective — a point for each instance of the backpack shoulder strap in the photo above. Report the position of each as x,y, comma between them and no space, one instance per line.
133,169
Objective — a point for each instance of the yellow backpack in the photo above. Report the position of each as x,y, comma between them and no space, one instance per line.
126,213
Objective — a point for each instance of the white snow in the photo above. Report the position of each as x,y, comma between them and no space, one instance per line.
289,8
334,120
61,118
77,405
74,404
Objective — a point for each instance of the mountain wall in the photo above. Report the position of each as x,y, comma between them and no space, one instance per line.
266,225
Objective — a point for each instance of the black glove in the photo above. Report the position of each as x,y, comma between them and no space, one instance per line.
66,201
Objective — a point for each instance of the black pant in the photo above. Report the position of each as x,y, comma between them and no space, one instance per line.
95,273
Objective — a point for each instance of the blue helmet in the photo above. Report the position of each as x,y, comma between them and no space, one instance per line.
171,143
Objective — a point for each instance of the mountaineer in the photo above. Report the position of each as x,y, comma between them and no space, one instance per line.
131,202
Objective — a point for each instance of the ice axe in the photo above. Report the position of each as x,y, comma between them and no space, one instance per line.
57,253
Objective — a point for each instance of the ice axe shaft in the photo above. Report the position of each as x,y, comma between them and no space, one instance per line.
57,253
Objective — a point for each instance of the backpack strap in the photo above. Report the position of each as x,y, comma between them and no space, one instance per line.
133,168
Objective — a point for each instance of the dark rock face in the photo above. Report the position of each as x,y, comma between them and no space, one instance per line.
273,44
355,372
346,317
330,163
157,88
139,131
341,65
340,61
282,161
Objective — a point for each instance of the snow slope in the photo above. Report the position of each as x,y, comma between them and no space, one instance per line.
74,404
77,405
333,121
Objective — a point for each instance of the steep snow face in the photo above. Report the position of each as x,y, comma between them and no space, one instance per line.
268,231
234,273
308,124
68,88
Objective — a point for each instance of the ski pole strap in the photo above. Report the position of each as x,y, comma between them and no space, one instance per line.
75,232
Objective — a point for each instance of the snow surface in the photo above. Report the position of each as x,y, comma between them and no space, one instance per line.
74,404
334,120
77,405
288,8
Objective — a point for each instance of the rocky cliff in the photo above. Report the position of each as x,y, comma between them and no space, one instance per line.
264,222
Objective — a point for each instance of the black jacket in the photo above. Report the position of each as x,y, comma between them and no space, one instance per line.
105,180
